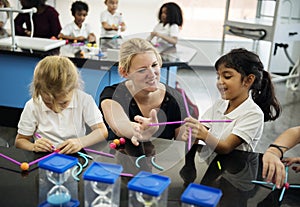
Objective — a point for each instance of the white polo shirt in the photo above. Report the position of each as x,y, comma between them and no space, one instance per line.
167,30
70,123
73,30
247,122
110,19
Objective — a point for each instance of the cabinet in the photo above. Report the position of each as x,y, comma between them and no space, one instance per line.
276,22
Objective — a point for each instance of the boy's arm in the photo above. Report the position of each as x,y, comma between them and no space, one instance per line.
109,27
71,38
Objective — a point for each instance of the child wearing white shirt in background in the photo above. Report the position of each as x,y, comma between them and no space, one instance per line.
78,30
111,20
168,28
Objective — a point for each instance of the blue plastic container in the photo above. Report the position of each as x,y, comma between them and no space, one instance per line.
102,184
56,185
200,195
147,188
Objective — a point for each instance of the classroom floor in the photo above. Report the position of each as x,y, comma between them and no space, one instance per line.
199,85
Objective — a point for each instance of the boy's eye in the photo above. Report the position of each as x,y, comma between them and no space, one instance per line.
227,76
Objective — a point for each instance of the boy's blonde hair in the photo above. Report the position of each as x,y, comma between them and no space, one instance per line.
54,76
131,48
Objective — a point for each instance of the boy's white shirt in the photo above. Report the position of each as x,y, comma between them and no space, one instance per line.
73,30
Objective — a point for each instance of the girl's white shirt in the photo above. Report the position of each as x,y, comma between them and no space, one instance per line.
70,123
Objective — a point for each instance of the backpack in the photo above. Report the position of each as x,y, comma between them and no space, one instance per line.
193,108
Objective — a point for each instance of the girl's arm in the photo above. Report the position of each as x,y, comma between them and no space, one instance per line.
99,133
40,145
171,40
199,131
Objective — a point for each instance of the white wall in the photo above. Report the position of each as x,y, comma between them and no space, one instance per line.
139,15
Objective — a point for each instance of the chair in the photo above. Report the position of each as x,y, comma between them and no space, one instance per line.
3,143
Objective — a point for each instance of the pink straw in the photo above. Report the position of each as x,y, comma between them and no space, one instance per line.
181,122
127,174
10,159
98,152
40,159
37,135
185,103
188,113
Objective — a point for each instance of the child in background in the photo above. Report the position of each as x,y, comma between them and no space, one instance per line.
170,22
78,30
273,161
248,99
46,23
111,20
59,111
3,18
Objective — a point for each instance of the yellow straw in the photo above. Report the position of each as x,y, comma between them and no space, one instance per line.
219,165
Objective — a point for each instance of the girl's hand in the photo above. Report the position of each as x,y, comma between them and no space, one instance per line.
70,146
153,34
292,160
42,145
199,131
273,168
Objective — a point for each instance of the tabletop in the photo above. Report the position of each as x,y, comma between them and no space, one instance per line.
232,175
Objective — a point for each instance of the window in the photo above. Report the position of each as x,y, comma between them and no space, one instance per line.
204,19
